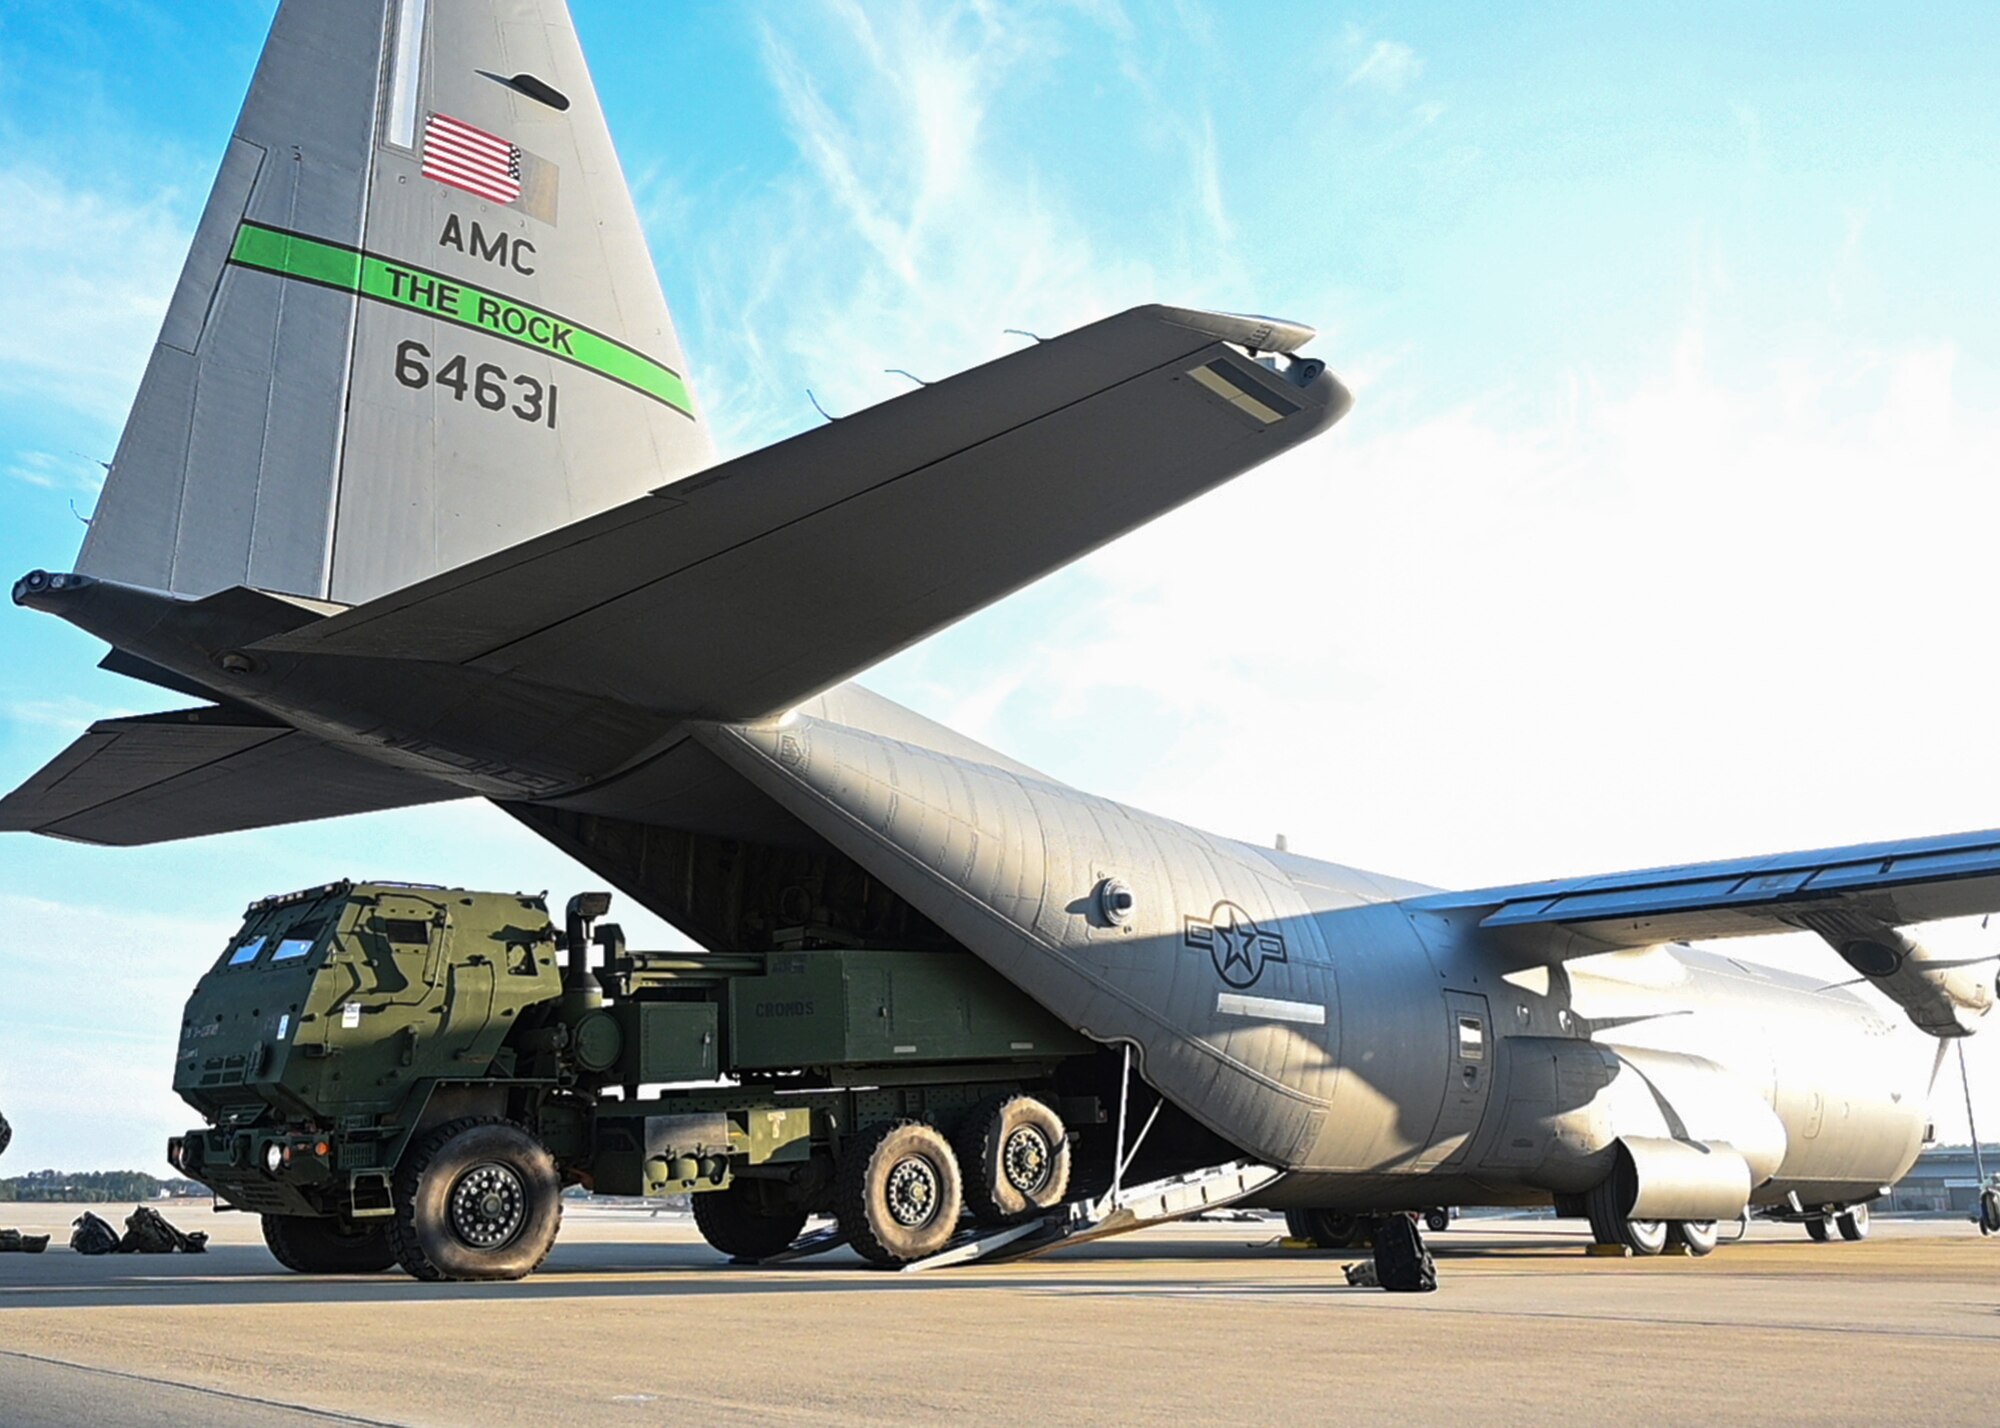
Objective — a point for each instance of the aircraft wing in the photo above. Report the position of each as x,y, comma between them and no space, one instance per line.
1895,884
742,590
191,772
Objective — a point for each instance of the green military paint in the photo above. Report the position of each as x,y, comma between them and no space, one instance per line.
415,289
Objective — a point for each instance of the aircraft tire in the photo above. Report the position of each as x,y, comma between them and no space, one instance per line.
6,1135
1852,1223
1989,1212
899,1193
478,1198
1697,1235
736,1224
1437,1220
1816,1229
1605,1203
1331,1229
1014,1154
307,1244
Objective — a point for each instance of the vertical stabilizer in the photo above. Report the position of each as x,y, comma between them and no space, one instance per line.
418,322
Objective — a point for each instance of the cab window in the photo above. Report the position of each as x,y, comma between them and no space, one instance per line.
247,952
299,941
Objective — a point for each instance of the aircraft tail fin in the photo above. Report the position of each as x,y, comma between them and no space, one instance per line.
418,322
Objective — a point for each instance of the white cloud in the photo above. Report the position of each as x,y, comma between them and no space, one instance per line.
72,472
66,712
905,235
88,1024
91,271
1389,66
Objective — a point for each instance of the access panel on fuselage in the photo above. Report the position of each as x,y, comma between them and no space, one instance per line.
1468,1032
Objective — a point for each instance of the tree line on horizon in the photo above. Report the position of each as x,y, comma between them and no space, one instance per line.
91,1187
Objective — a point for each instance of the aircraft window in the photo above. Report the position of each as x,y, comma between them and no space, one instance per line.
406,929
247,952
1471,1038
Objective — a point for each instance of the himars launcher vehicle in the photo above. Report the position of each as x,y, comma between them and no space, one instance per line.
416,500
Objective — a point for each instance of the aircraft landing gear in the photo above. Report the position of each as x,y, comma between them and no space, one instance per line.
1698,1237
1852,1223
1330,1229
1605,1204
1816,1229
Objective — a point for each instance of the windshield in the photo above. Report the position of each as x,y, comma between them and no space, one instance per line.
247,952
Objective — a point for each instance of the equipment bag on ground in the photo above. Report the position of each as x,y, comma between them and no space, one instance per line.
1402,1264
92,1235
147,1232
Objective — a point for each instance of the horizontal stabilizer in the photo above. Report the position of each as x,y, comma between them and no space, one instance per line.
158,777
1894,884
738,592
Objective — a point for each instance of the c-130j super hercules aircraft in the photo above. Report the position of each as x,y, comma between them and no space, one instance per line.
415,498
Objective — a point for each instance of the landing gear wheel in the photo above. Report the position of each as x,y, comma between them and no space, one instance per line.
899,1194
1606,1202
1330,1229
1014,1153
476,1199
1816,1229
1697,1235
309,1245
1852,1223
1437,1221
736,1222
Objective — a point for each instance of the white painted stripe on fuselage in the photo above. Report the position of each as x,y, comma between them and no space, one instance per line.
1270,1009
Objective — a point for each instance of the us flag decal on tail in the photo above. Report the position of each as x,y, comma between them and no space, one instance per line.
455,153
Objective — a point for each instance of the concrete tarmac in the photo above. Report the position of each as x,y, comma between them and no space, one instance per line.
633,1320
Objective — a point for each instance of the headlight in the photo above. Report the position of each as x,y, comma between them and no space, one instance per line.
274,1157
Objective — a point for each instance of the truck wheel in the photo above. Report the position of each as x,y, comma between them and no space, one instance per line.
1852,1223
476,1199
311,1245
899,1194
1014,1153
733,1222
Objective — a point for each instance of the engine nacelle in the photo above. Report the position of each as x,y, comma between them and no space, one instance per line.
1940,995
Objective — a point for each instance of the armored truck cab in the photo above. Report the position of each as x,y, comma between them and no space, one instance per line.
401,1074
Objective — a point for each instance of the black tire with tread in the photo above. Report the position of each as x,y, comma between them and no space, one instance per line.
860,1204
312,1245
1816,1229
1331,1229
425,1245
981,1142
1605,1203
1437,1220
1852,1223
734,1224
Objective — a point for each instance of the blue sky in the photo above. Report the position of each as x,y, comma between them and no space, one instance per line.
1661,529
